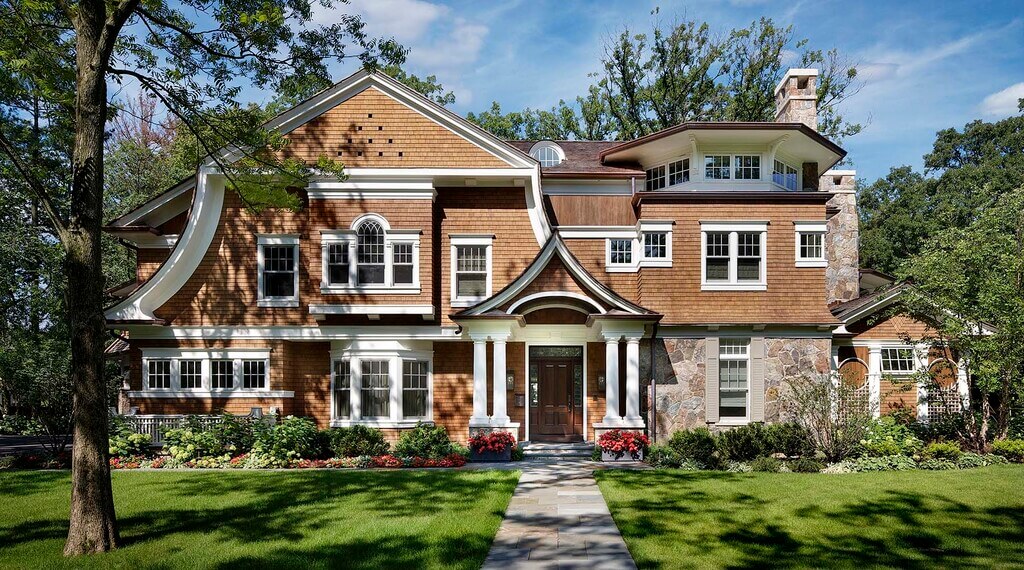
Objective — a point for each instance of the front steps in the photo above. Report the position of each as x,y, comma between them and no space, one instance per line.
542,451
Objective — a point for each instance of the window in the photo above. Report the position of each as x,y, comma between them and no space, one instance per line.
716,167
190,374
278,267
810,244
376,389
254,374
342,389
337,263
222,374
898,361
784,175
748,167
414,388
679,172
734,256
733,378
370,253
402,263
547,153
655,245
159,374
471,269
620,251
655,178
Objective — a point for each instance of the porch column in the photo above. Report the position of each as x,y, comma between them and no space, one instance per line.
611,381
500,417
479,382
874,380
633,379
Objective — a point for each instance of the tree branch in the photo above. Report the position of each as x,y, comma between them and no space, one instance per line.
35,186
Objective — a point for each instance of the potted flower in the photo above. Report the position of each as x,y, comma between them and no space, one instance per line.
493,446
618,444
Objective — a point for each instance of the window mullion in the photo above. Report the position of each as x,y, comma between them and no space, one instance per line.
175,374
355,389
395,375
734,250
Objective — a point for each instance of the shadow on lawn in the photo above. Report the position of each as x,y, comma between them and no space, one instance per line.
256,507
927,528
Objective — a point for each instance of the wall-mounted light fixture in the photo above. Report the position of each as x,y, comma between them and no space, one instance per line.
600,381
510,380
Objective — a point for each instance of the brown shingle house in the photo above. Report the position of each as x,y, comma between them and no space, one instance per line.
534,286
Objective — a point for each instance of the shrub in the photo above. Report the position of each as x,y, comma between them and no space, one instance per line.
1011,449
190,443
945,450
424,440
664,455
744,443
790,439
238,434
696,445
595,454
492,442
886,437
619,442
291,438
766,465
936,464
356,441
738,467
517,453
885,463
13,424
806,465
834,414
129,445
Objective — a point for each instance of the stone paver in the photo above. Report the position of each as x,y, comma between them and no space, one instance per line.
557,518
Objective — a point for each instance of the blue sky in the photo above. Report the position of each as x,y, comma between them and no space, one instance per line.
925,65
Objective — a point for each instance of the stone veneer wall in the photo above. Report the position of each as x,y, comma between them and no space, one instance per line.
681,377
842,276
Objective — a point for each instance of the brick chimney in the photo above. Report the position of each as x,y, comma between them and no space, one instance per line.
842,276
796,98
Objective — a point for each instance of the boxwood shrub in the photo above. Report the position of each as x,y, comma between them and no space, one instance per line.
356,441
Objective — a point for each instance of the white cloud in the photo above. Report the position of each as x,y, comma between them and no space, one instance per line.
1003,103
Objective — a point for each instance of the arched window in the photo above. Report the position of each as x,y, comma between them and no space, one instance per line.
547,153
370,253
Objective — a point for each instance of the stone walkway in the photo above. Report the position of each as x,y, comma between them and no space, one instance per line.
558,519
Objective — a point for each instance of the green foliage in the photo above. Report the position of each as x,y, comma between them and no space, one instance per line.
834,415
697,445
789,438
425,440
238,434
517,453
936,464
945,450
13,424
883,463
766,465
595,454
744,443
806,465
357,441
130,445
191,443
290,438
887,437
1011,449
974,460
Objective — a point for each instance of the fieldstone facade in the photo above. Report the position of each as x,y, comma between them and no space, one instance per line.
786,359
842,276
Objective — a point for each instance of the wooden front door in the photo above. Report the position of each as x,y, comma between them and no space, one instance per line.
556,407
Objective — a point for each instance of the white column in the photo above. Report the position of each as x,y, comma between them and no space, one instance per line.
395,395
500,417
356,370
479,382
874,379
611,381
633,380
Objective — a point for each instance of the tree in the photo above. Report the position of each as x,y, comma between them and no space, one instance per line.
190,55
683,72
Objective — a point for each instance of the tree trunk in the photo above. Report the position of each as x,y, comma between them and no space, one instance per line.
93,526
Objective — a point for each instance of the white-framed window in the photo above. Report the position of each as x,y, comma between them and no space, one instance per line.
679,172
810,244
547,153
717,167
655,245
785,176
471,259
172,372
898,361
278,274
734,256
655,178
733,379
385,388
370,257
747,166
620,251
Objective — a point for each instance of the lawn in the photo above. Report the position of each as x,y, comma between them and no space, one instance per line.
206,519
915,519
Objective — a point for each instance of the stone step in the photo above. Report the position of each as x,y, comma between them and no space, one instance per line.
549,451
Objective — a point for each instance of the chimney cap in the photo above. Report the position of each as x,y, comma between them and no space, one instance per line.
795,72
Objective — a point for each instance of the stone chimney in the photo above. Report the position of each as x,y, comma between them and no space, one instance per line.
842,276
796,98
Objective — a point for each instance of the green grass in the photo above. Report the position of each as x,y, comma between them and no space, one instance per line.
212,519
916,519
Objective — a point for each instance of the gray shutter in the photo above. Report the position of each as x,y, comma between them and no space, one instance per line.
711,379
757,379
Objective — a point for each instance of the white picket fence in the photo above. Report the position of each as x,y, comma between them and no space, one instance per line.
153,425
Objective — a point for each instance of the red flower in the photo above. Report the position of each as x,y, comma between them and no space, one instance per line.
493,442
618,442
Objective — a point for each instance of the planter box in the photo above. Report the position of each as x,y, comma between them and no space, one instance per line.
491,456
605,456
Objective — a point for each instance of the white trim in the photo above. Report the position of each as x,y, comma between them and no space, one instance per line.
379,423
596,232
795,72
350,238
262,300
146,240
733,226
136,215
547,144
487,242
555,294
733,229
810,228
370,189
210,394
395,356
294,332
634,258
176,355
425,310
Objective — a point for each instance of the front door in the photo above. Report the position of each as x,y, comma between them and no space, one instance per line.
556,377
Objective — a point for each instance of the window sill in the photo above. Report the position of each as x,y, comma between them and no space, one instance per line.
631,268
733,287
732,422
211,394
467,302
371,290
277,303
812,263
382,423
656,262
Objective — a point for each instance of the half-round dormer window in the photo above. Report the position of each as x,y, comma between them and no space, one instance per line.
547,153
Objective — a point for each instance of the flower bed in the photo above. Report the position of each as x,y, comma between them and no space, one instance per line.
617,444
244,462
493,446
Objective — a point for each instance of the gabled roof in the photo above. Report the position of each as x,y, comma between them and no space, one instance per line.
866,305
583,159
555,248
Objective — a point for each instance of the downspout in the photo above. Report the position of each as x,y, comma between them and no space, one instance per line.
654,387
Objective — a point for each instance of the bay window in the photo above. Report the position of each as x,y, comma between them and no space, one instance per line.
785,176
380,388
716,167
414,388
159,374
376,388
733,256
